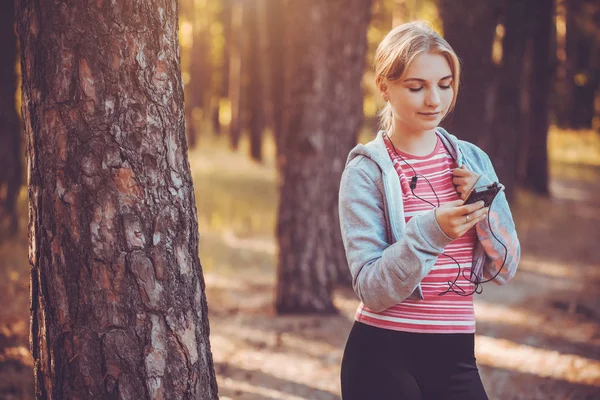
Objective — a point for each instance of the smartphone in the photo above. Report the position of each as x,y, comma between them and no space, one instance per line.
486,193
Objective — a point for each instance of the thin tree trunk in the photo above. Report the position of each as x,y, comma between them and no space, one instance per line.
200,71
10,135
543,61
223,70
235,72
118,305
472,114
506,129
276,31
264,63
581,79
326,47
253,74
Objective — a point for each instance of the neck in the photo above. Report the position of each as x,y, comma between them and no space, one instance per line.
417,143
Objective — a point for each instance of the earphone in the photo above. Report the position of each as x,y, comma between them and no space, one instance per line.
452,284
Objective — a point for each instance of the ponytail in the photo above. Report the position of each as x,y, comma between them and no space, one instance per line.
386,118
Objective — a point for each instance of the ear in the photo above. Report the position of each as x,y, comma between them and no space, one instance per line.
382,86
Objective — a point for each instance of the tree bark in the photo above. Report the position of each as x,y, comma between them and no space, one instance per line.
10,136
506,129
543,61
473,112
118,305
324,64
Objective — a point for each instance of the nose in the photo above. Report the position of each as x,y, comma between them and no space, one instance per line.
432,99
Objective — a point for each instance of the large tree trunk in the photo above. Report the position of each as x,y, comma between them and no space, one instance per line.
543,61
472,114
326,46
118,305
506,130
10,138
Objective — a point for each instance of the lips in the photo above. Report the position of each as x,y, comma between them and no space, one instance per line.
430,114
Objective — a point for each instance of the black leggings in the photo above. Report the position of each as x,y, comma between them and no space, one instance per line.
381,364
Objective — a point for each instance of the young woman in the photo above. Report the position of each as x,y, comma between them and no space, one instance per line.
417,254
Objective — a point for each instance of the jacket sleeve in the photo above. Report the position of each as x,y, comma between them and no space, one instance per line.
383,274
501,225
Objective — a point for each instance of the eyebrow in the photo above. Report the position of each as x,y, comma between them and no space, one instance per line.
423,80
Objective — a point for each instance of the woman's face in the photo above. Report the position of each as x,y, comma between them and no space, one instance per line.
422,96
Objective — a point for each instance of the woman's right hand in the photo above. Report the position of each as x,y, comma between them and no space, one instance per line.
456,219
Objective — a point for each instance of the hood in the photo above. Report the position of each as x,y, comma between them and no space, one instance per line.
376,150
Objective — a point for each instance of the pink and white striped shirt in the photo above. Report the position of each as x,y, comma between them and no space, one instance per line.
450,313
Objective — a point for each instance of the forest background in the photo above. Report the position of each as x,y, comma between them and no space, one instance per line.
276,93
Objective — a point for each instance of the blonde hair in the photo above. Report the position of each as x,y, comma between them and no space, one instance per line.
399,48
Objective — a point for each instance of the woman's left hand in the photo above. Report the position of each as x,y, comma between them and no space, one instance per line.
464,180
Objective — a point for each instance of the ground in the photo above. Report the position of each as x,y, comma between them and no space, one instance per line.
538,337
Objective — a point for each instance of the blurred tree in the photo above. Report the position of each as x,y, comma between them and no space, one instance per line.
118,304
540,82
235,46
222,70
324,63
253,77
470,26
272,29
401,12
10,137
582,78
506,132
198,90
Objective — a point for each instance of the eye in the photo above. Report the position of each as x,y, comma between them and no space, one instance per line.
445,87
414,90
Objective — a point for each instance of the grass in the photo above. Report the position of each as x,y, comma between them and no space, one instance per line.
581,147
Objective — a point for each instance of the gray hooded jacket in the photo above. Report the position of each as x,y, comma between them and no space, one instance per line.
388,257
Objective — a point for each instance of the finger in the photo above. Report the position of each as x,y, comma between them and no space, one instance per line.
453,203
479,213
461,172
469,208
476,219
459,180
473,220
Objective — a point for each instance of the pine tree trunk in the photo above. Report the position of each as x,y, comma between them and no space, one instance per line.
10,134
326,46
235,72
253,85
264,63
581,79
223,69
276,32
118,305
198,89
506,130
472,113
543,61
